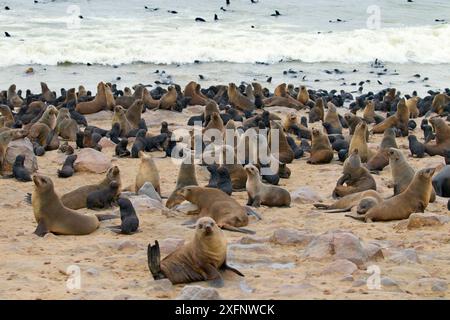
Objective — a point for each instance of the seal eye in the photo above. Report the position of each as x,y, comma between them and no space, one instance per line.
200,226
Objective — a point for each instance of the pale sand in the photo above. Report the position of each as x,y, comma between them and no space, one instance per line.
115,266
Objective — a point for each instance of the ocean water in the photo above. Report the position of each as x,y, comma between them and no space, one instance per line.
306,36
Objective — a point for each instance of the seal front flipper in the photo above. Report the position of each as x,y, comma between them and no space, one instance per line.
321,206
214,277
339,210
361,218
236,229
28,198
154,261
41,229
227,267
251,212
104,216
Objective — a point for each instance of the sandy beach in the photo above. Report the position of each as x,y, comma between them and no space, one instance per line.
413,262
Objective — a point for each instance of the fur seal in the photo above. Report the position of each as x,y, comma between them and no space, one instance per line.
441,182
19,171
121,118
7,116
134,112
52,216
369,114
402,172
192,90
356,177
169,100
5,138
285,153
399,120
103,198
415,147
321,151
364,200
414,199
66,127
359,143
442,138
121,149
262,194
99,103
216,204
332,118
238,100
292,125
67,168
411,104
76,199
199,260
317,112
220,179
440,101
148,172
186,177
129,219
381,158
303,95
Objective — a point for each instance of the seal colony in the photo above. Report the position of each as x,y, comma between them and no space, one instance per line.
236,193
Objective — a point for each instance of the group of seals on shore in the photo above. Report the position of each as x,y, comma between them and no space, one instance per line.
46,118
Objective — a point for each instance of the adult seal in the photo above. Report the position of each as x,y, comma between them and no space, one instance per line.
201,259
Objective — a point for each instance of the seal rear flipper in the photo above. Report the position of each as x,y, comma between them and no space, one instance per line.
321,206
41,229
252,212
227,267
236,229
28,198
361,218
104,216
154,261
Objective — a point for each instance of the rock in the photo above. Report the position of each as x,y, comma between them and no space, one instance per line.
291,236
148,190
25,147
127,244
341,267
302,289
198,293
305,195
348,246
92,272
373,251
91,160
98,116
428,285
401,256
359,283
144,203
170,245
253,239
106,143
388,282
162,285
418,220
320,247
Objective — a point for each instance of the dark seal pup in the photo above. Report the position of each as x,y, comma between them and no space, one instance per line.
67,168
19,171
102,198
130,221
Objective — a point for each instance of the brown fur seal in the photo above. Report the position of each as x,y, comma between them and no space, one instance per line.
215,122
49,117
414,199
121,118
359,143
199,260
134,112
321,150
442,143
186,177
238,100
399,120
148,100
127,100
353,121
76,199
66,127
148,172
7,116
47,95
411,104
262,194
402,172
210,108
51,214
281,91
292,125
169,100
287,102
82,92
332,118
369,114
351,200
214,203
381,158
303,95
192,90
99,103
39,132
356,177
317,113
5,138
439,102
285,153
